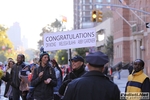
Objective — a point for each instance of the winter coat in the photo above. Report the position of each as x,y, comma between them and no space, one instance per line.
43,91
72,75
92,86
15,80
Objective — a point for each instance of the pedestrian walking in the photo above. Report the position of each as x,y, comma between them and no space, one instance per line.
93,85
130,68
138,81
15,79
6,78
59,78
44,79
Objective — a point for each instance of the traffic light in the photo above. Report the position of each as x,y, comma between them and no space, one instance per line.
94,15
99,16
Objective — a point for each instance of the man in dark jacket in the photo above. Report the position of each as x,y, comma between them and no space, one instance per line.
93,85
15,80
78,68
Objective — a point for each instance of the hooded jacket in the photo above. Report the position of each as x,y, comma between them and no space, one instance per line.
72,75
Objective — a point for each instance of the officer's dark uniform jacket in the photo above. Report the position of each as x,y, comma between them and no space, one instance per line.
92,85
15,80
72,75
42,88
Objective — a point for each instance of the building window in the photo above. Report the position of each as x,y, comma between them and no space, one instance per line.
80,1
108,1
80,13
99,0
90,7
98,6
83,13
90,1
83,1
83,7
86,19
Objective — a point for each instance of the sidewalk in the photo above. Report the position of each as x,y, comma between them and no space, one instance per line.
2,92
121,82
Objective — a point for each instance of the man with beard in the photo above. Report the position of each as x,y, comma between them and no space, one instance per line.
138,81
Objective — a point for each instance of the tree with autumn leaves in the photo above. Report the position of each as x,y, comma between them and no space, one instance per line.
6,46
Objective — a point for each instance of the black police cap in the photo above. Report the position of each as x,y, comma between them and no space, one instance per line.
77,58
97,58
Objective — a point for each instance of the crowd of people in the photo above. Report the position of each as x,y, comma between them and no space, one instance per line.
45,80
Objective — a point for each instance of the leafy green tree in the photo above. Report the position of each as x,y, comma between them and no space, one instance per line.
6,46
108,48
49,28
2,57
62,57
82,51
56,25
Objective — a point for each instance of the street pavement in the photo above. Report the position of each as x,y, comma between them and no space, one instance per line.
120,82
2,92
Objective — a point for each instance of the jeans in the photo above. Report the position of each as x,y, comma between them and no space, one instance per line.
119,75
16,94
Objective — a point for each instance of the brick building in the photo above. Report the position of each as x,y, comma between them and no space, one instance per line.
131,37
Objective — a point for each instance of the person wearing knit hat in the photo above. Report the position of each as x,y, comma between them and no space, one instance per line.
94,83
42,54
44,79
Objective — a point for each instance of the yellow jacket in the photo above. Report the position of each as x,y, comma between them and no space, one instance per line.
135,81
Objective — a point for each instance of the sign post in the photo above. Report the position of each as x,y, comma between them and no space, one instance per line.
147,25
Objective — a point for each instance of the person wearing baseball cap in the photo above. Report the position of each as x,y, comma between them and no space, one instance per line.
93,85
78,69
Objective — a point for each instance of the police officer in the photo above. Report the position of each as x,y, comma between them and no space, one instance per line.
78,69
93,85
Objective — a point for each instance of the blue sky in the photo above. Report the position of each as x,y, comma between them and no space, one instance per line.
34,14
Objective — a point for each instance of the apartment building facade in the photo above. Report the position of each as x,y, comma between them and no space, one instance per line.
83,10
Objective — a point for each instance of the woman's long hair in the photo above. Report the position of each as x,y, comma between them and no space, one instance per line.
56,65
8,66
